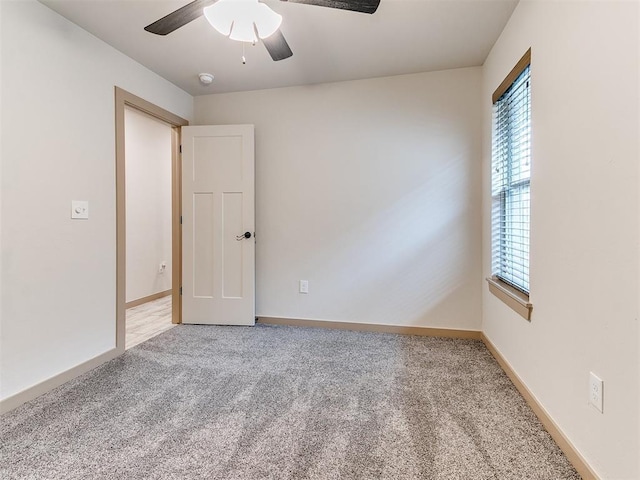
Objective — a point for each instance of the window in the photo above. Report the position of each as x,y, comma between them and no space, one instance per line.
510,188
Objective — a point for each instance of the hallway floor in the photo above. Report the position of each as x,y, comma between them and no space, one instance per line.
148,320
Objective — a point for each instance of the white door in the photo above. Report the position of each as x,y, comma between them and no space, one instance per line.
218,261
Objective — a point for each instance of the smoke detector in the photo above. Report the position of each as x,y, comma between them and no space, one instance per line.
205,78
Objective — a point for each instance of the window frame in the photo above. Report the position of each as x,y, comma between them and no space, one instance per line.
512,296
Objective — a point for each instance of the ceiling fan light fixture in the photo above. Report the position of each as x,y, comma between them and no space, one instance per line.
269,21
241,19
243,31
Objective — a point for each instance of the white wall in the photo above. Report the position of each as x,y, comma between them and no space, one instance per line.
58,145
584,224
1,143
148,193
368,189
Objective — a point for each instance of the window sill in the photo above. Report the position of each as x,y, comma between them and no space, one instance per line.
514,299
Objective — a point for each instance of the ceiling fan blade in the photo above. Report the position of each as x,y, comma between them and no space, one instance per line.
363,6
178,18
277,46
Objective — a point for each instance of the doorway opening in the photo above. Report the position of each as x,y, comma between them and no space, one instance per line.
148,212
148,226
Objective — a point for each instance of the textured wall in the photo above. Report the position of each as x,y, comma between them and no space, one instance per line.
58,145
148,181
370,190
584,221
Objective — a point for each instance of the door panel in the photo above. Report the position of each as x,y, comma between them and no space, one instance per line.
218,284
232,225
203,245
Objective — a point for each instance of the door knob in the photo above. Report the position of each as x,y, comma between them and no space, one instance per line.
243,236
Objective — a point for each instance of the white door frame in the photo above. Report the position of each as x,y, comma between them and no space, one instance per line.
125,99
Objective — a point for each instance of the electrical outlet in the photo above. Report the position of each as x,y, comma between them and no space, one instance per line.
304,286
162,268
595,391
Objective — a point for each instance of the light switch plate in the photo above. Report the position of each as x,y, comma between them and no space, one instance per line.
80,209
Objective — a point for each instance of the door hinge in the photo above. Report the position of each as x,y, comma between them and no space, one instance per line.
180,290
180,219
180,148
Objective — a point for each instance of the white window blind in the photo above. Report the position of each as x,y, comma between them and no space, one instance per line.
511,167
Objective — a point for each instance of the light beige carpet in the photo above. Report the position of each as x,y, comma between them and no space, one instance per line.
201,402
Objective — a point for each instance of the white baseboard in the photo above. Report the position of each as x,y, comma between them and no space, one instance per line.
14,401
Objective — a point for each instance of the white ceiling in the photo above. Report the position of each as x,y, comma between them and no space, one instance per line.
403,36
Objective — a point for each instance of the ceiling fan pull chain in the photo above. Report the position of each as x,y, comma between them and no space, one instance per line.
244,60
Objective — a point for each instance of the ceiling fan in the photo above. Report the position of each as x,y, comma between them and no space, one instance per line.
248,20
